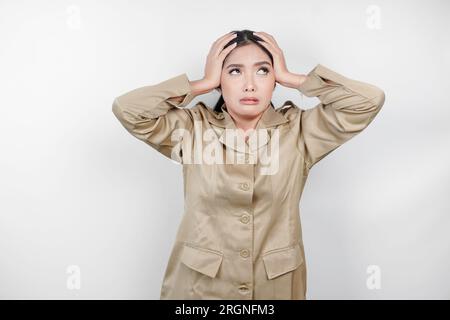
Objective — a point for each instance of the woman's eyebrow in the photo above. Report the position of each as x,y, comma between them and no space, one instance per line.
241,65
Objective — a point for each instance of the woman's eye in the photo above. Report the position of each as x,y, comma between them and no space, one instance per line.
262,68
265,70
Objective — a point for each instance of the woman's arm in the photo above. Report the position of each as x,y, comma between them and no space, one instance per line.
198,87
346,108
152,113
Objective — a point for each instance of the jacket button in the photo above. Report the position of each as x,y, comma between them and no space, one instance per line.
245,218
245,253
244,186
243,289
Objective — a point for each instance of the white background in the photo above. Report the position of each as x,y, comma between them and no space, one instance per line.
77,190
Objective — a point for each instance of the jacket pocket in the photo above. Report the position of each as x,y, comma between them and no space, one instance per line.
203,260
281,261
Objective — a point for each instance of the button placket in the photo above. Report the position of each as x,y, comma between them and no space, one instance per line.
243,240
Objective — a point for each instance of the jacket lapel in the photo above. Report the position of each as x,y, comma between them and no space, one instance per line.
233,138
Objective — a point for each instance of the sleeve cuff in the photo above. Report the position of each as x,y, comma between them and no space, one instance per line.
314,80
178,86
314,83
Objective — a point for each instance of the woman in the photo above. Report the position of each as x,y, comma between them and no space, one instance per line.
240,235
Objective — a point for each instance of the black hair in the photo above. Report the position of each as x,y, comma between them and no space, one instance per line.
244,37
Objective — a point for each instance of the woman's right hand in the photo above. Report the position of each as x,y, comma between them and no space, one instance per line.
215,58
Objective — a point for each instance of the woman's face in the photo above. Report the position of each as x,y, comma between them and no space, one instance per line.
247,72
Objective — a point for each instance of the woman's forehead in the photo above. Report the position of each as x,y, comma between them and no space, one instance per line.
247,56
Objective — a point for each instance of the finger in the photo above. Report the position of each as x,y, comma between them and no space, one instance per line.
216,43
265,34
275,50
225,51
266,38
220,43
224,35
269,47
218,47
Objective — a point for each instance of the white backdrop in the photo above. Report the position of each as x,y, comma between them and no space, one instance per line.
87,211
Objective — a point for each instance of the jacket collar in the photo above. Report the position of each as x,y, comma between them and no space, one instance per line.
262,133
270,118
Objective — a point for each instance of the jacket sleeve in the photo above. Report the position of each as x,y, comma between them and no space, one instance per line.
149,115
346,108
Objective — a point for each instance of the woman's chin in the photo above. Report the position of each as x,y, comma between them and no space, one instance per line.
250,110
249,113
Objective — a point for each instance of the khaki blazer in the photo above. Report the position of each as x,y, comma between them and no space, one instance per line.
240,236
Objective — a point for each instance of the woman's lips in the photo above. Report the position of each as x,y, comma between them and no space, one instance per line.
249,101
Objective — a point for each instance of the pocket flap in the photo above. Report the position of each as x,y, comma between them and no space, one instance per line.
202,260
280,261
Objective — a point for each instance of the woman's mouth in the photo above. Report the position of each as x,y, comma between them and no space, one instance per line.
249,101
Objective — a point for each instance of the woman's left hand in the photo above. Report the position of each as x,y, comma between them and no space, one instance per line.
282,74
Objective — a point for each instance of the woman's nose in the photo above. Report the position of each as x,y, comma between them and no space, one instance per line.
249,85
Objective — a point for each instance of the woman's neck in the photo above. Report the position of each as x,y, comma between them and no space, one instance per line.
246,124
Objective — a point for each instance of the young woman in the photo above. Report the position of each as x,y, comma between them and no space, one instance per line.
240,236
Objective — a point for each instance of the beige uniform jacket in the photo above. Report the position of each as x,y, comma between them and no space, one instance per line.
240,235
